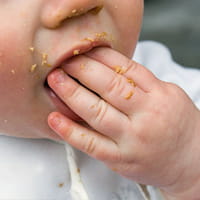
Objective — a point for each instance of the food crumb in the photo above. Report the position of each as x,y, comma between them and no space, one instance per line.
89,39
101,35
129,95
82,135
119,70
45,60
78,170
129,80
32,49
74,11
33,67
60,185
44,56
76,52
5,121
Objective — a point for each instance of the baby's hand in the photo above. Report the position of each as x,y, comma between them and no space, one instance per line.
142,128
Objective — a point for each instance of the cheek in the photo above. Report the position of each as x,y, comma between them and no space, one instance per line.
127,16
13,62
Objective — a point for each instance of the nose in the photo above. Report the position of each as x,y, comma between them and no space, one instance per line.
54,12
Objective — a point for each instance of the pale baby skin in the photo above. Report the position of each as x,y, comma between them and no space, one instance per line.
118,112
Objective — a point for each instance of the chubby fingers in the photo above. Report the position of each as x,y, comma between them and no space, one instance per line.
91,108
129,68
116,89
86,140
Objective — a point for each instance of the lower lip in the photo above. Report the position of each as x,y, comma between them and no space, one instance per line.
61,106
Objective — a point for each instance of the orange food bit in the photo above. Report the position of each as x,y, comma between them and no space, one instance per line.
129,80
89,39
33,67
44,60
129,95
119,69
100,35
76,52
32,49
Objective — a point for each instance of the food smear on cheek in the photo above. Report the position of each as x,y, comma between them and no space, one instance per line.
45,60
33,68
102,36
32,49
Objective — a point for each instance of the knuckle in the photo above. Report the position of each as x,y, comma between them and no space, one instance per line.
101,111
90,146
73,93
117,84
131,66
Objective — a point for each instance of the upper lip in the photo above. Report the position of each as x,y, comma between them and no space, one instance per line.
82,48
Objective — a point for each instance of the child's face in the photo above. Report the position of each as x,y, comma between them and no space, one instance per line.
32,29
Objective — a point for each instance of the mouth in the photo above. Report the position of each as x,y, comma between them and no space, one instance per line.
79,49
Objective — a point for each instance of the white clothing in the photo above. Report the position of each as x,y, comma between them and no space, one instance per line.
38,169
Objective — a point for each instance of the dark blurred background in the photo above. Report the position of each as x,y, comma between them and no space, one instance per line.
175,23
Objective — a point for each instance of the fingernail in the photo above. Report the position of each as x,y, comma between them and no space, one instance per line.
60,76
55,121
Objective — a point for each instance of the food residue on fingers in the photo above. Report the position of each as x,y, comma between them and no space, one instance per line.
129,80
129,95
119,69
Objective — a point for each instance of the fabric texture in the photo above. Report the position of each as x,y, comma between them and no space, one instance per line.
38,169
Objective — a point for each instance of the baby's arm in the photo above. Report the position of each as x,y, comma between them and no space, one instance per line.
143,128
